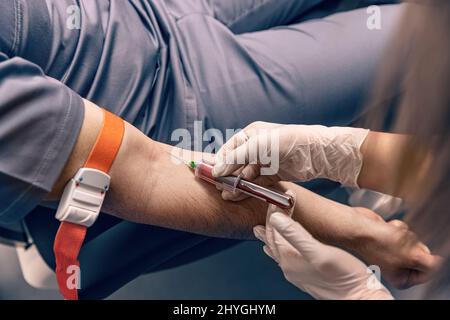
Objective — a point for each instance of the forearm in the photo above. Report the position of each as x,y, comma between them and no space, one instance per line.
384,167
167,194
147,186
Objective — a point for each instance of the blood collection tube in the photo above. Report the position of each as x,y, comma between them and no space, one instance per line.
231,183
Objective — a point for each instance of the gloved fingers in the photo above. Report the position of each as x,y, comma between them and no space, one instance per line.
284,248
269,252
296,268
247,172
269,230
266,181
251,172
293,195
260,233
238,139
244,135
223,165
297,236
234,196
247,153
272,209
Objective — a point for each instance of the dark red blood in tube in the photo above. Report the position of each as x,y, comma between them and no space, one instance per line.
265,198
204,171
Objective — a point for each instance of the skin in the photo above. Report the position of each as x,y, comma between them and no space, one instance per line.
382,153
148,187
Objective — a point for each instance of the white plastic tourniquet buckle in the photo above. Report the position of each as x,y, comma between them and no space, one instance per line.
83,197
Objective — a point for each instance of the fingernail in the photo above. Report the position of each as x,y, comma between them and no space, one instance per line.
279,220
427,250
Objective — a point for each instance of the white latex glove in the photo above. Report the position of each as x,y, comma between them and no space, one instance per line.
305,153
323,271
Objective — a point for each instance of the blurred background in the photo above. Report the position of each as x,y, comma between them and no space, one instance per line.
241,272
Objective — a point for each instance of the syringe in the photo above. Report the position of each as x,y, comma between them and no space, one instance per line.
203,171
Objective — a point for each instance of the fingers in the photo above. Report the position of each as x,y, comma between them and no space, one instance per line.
250,146
293,195
426,262
415,278
249,172
234,196
260,233
424,270
421,257
269,230
399,224
369,213
296,235
271,210
264,181
238,139
222,167
246,153
421,269
274,209
269,252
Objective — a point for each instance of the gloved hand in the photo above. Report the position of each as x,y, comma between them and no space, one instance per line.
323,271
305,153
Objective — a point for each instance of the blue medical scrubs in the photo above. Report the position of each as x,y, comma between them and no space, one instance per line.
162,65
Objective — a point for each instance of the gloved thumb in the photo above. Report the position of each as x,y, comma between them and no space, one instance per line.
272,209
296,235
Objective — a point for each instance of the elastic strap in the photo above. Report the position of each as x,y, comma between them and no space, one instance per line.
70,237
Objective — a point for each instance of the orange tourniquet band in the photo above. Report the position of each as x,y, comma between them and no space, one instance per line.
70,237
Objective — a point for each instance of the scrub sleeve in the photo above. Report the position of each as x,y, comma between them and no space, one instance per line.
40,118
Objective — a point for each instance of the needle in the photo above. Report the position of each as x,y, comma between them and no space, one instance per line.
190,164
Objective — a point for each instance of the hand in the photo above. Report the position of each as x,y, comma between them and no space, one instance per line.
325,272
302,152
403,259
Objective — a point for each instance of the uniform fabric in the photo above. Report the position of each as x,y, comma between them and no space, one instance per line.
163,64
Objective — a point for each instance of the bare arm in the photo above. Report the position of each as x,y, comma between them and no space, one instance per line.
148,187
383,164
